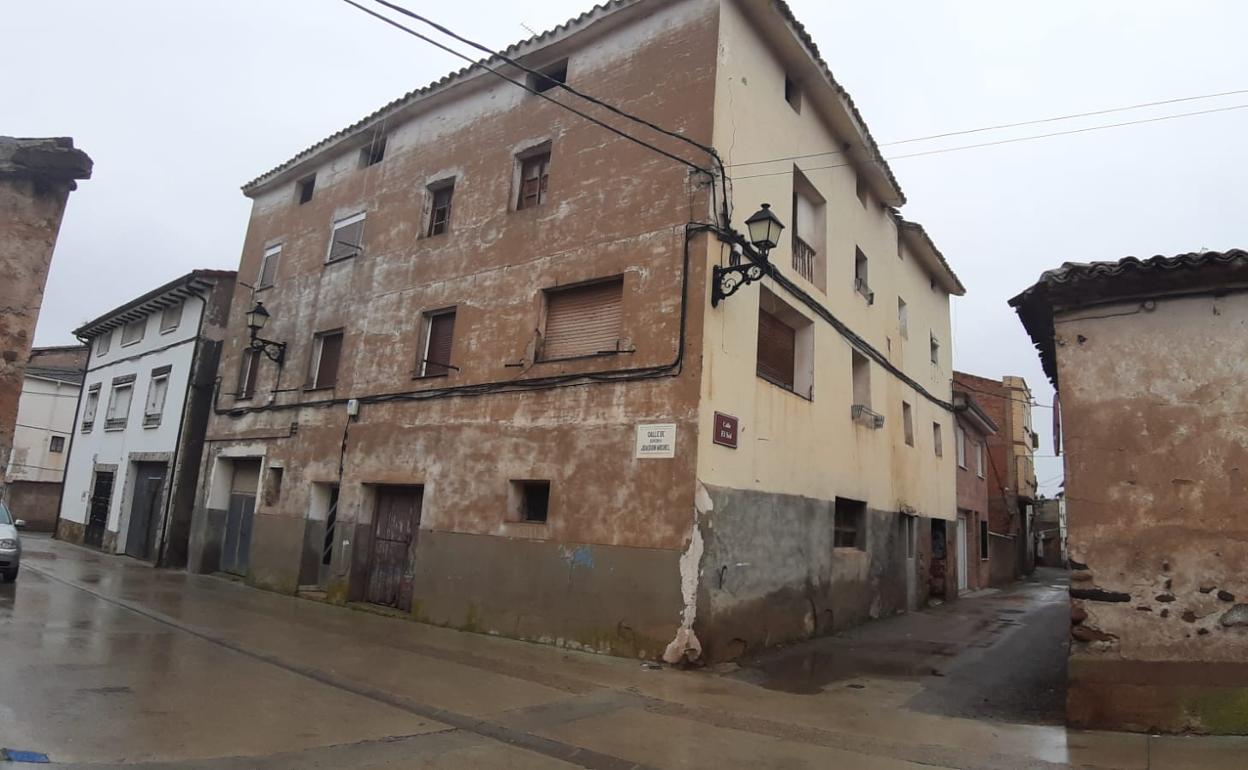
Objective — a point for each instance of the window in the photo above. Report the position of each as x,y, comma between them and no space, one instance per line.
960,439
860,276
103,342
983,540
903,318
132,332
864,192
304,188
861,368
268,267
529,501
326,350
549,77
848,529
347,237
979,459
583,320
56,444
907,422
89,409
785,354
439,334
809,229
793,94
170,318
938,441
119,403
534,179
248,368
373,153
440,210
157,389
935,349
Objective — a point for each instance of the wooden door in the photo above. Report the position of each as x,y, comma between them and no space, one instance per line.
149,481
97,518
236,545
396,523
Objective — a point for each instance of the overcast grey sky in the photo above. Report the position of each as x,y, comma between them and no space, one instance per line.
179,103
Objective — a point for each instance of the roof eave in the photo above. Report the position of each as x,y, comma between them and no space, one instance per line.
924,247
194,283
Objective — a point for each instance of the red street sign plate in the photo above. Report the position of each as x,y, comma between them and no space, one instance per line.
725,430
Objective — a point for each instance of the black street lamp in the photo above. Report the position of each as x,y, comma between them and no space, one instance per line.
764,228
257,317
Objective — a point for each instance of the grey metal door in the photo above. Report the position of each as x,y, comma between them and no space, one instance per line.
236,548
392,564
149,482
97,517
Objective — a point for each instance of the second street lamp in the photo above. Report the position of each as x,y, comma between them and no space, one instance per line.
257,317
764,227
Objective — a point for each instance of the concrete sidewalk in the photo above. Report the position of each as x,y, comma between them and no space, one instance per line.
109,662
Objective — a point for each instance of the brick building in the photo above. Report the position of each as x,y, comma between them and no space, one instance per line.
973,548
495,391
1011,472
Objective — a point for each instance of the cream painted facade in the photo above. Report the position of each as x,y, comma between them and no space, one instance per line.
790,444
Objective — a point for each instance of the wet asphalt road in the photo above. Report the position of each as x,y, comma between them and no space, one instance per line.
105,662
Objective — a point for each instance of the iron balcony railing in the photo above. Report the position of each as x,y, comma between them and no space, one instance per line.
803,258
862,414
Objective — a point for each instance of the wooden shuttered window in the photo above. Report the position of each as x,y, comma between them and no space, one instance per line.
268,267
777,345
440,335
584,320
534,179
248,368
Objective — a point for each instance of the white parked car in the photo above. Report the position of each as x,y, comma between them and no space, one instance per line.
10,544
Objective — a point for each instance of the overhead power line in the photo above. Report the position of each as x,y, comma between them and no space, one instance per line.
1002,126
1005,141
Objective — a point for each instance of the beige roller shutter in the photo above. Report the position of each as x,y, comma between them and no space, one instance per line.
584,320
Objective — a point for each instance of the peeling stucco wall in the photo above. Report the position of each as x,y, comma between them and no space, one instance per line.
1156,457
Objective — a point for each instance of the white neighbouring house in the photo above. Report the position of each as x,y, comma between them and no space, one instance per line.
139,431
41,437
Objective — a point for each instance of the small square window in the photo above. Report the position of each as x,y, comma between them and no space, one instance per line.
440,208
170,318
373,152
132,332
103,342
529,500
304,189
584,320
907,422
848,528
534,180
56,444
549,77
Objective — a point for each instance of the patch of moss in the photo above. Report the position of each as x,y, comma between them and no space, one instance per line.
1223,710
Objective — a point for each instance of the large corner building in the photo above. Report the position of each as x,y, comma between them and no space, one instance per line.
493,391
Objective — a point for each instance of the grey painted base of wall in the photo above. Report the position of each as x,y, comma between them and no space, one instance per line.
608,599
35,502
770,573
1157,696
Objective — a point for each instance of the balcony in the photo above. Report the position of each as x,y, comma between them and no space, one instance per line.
862,414
803,258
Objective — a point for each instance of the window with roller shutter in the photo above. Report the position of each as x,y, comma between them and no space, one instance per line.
583,320
325,355
439,336
777,350
347,239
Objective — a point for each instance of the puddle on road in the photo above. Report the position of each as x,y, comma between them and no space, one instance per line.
807,672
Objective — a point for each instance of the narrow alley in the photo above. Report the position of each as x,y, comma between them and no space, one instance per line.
123,664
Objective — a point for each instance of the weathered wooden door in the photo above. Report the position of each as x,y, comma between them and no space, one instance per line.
149,481
236,545
97,517
396,524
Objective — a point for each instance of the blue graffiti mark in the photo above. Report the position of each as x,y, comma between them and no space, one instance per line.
583,556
